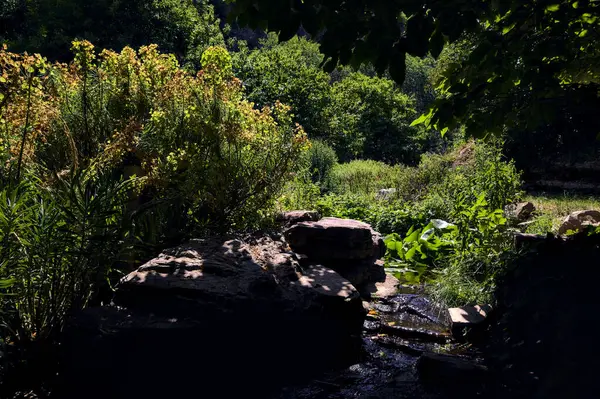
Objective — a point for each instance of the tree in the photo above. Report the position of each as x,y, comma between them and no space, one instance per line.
288,72
530,60
182,27
369,117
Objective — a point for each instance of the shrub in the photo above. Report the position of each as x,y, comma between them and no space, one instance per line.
288,72
362,177
463,259
321,159
199,145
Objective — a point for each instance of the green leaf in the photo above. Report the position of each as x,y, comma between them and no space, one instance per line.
6,283
425,118
412,237
442,224
427,234
553,7
411,253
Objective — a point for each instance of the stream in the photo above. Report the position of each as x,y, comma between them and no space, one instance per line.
396,332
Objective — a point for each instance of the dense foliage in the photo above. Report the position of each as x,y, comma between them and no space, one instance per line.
118,150
444,219
528,64
359,115
185,28
163,133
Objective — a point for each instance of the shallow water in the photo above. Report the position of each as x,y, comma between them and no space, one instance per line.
396,332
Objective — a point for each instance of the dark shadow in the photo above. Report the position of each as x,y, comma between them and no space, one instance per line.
542,339
208,329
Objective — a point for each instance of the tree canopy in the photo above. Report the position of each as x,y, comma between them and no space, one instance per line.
526,63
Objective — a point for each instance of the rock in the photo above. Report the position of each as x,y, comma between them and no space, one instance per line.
361,274
469,315
334,239
327,282
204,310
520,211
576,221
382,287
466,319
385,193
450,371
294,217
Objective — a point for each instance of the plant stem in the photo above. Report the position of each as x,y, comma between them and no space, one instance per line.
24,136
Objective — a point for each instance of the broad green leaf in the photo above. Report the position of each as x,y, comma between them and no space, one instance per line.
411,253
427,233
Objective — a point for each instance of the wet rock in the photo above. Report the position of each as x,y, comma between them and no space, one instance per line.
207,310
334,239
520,211
294,217
578,220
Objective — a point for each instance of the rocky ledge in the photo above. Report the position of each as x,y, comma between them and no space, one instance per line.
213,311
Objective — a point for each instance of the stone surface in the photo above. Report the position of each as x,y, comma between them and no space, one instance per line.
207,310
334,239
384,286
327,282
520,211
385,193
293,217
576,221
469,315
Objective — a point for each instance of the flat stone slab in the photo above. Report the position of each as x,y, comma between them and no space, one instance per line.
294,217
387,288
326,282
469,315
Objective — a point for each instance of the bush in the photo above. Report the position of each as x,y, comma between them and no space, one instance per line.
197,143
361,177
321,159
114,152
288,72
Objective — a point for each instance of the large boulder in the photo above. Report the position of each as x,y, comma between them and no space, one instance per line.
334,239
294,217
519,212
189,320
576,221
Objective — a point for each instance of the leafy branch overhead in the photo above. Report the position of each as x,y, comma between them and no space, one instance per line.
525,63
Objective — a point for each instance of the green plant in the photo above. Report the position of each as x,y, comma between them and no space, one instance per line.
414,255
361,177
197,142
462,260
288,72
58,248
369,118
181,27
321,159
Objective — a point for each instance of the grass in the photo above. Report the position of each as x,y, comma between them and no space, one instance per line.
552,209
